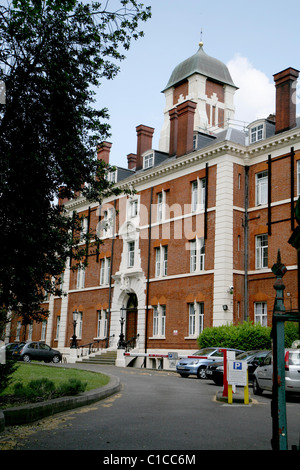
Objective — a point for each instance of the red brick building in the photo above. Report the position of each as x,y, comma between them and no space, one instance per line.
194,247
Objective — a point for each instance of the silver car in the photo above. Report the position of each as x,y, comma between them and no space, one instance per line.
197,365
262,379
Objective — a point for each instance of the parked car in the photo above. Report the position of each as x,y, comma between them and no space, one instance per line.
37,350
263,375
9,348
197,365
215,371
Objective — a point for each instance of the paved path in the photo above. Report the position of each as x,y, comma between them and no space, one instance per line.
156,411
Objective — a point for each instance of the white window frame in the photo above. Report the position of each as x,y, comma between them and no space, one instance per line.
133,208
102,323
261,251
198,194
30,329
261,187
130,254
107,223
161,206
256,133
148,160
84,228
261,313
44,328
112,176
18,330
80,282
104,271
57,327
196,318
197,255
161,261
159,321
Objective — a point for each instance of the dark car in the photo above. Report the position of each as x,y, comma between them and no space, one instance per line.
215,371
197,363
38,351
8,349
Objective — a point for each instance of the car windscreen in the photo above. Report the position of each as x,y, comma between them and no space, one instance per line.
204,352
294,358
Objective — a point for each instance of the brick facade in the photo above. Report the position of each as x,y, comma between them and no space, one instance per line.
230,224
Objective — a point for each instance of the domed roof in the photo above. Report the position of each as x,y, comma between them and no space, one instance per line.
203,64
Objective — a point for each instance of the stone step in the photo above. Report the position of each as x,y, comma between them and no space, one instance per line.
108,357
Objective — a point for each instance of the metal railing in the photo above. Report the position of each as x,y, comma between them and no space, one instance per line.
94,346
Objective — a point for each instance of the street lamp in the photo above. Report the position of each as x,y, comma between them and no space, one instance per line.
74,337
122,343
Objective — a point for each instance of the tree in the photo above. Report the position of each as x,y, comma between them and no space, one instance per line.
53,54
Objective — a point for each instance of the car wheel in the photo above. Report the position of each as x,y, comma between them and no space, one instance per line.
55,359
26,358
201,373
256,388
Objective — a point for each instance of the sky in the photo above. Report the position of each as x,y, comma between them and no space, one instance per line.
254,39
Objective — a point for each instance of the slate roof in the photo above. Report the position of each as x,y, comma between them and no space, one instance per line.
203,64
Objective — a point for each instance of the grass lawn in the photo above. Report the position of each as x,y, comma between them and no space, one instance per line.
27,372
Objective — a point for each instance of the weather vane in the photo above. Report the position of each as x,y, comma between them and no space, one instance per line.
201,41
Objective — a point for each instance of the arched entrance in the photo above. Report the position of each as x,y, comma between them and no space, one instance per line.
131,317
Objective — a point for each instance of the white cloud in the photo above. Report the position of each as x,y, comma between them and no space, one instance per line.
255,97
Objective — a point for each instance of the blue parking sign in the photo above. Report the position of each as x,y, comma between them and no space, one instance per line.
237,365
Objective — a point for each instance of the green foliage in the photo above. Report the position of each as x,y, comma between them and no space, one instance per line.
6,371
53,55
291,333
245,336
45,389
72,387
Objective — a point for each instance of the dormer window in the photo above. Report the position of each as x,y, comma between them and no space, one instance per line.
112,176
148,160
256,133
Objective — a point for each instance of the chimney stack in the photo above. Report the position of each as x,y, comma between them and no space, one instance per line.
173,131
144,143
103,151
285,83
185,133
131,159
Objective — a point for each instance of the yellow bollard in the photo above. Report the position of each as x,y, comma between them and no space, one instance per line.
229,393
246,392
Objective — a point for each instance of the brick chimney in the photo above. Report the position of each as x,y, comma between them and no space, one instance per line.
186,115
62,198
131,159
103,151
173,131
144,142
285,83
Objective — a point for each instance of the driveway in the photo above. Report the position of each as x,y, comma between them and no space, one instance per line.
156,411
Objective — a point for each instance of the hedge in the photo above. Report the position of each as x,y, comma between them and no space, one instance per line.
245,336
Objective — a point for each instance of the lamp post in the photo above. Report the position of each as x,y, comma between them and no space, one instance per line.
74,337
122,343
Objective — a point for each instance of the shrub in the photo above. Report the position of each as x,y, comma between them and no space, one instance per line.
6,371
291,332
40,389
72,387
45,389
245,336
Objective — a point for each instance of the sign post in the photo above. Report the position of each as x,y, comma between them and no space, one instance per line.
227,355
238,375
